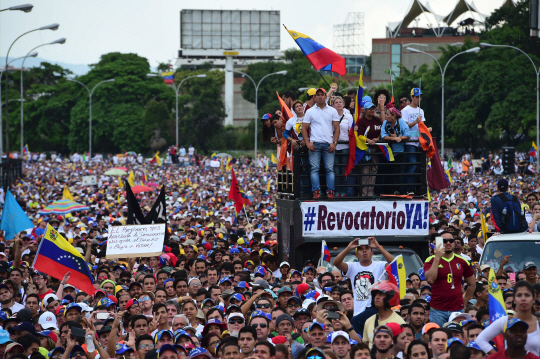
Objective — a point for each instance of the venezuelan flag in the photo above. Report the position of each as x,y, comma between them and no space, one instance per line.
357,143
448,177
533,150
25,149
385,148
325,252
319,56
484,225
496,306
168,77
398,276
55,257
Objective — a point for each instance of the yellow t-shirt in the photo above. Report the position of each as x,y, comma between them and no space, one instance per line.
369,326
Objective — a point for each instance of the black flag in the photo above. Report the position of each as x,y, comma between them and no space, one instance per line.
158,213
135,215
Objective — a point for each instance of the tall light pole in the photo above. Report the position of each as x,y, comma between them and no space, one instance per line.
443,72
90,93
34,54
24,7
176,90
283,72
537,72
59,41
53,27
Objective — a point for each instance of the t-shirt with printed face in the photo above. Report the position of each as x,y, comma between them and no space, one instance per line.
362,278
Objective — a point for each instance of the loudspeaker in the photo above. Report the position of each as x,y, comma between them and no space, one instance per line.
508,159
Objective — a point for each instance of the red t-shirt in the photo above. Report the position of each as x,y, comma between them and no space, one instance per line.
41,296
452,271
374,127
502,355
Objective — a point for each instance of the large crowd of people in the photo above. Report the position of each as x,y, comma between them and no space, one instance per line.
219,289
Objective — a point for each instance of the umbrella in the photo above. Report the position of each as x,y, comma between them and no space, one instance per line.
115,172
152,184
139,189
121,168
63,206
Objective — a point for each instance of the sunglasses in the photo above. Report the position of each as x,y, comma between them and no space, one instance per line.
405,100
295,305
258,306
101,278
315,357
448,240
125,280
146,346
262,325
144,298
236,321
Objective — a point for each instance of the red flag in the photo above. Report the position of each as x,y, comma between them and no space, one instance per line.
435,174
239,197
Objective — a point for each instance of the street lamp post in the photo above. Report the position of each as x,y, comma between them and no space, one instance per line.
59,41
283,72
34,54
537,71
443,72
90,93
53,27
24,7
176,90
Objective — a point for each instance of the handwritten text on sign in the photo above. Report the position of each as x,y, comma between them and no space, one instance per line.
135,241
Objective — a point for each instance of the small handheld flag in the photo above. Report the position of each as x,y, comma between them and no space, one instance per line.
325,252
398,276
533,150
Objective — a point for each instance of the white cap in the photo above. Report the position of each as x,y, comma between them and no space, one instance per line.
47,320
46,298
339,333
232,315
3,254
284,264
307,302
455,315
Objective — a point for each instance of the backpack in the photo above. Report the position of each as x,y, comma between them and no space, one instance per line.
512,218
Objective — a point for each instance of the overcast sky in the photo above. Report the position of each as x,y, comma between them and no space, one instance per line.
151,28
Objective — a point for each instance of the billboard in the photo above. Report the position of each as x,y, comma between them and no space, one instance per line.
229,30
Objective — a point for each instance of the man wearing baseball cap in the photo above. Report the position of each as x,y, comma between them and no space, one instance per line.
310,102
341,344
513,220
320,130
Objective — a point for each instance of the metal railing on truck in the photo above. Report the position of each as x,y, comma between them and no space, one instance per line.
390,176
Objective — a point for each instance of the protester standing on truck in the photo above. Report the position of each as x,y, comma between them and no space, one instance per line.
362,275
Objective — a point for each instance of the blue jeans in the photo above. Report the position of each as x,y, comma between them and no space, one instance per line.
441,316
321,149
410,158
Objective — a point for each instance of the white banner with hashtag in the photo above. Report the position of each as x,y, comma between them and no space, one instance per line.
365,218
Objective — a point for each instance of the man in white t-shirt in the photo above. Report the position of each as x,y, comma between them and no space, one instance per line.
320,130
364,272
413,114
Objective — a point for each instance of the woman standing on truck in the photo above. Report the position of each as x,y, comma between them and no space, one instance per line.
524,299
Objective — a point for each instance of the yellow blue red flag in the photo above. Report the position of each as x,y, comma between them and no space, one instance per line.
357,142
55,257
398,276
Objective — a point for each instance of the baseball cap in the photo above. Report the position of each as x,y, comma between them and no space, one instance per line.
47,320
453,341
320,89
4,336
396,328
368,105
472,344
455,327
283,290
320,325
339,333
279,339
511,322
529,265
199,352
166,347
284,264
455,315
301,288
502,185
311,91
416,92
258,314
427,327
484,267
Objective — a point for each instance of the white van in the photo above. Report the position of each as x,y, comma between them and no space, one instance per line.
524,247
